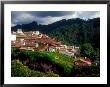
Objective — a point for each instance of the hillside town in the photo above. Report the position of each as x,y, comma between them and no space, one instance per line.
55,44
36,41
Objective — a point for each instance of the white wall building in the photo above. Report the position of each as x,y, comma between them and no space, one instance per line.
13,37
37,45
52,49
19,31
36,32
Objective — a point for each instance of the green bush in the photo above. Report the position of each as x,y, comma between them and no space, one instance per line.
51,74
19,70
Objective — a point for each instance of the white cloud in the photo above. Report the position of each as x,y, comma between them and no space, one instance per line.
47,20
97,14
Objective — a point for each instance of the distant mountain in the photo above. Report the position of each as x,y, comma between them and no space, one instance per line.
26,27
72,31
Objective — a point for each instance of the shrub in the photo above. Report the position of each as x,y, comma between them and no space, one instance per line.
19,70
51,74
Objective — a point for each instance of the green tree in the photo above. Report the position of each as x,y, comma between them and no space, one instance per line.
95,56
86,49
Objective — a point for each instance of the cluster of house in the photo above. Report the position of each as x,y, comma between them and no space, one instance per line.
36,41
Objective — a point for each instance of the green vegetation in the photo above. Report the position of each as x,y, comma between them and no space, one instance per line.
86,49
19,70
50,64
62,62
77,32
87,71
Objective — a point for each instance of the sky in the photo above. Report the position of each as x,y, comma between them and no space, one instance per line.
48,17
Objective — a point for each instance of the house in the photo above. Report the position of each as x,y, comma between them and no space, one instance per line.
87,61
66,52
13,37
36,32
82,62
51,48
19,31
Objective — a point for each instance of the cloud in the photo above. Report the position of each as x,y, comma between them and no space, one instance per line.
22,17
88,14
49,13
48,17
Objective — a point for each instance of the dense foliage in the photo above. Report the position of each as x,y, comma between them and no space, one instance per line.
86,49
